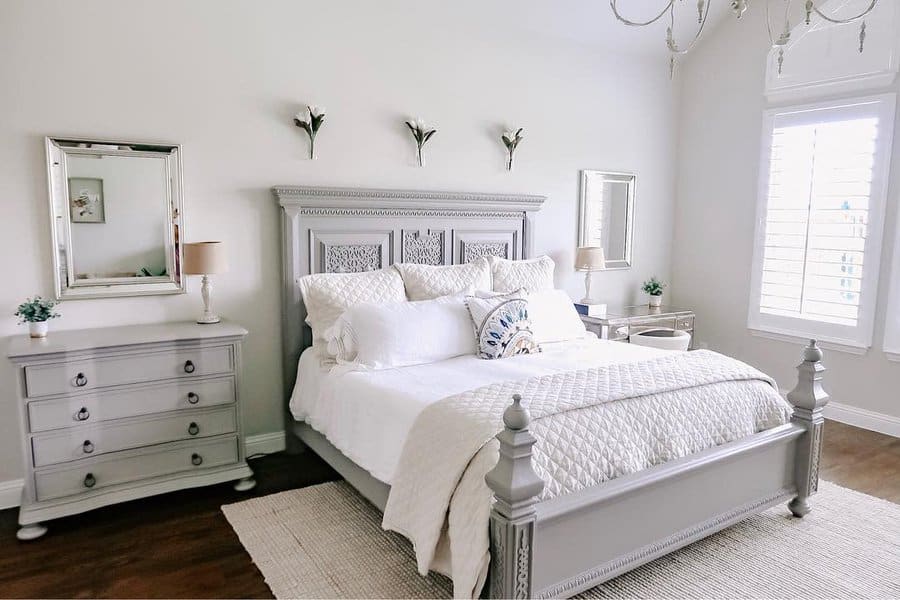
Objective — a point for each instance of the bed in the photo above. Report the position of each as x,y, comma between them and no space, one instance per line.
541,537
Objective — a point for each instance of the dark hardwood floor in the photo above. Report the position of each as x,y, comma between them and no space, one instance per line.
180,545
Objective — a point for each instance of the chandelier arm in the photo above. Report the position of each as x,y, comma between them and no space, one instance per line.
848,20
697,36
612,4
769,23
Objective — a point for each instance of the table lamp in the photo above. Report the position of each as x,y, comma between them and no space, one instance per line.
205,258
589,259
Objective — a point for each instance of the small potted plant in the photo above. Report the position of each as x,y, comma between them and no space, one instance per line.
654,288
36,312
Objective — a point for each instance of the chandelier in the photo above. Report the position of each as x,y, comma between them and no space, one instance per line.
739,7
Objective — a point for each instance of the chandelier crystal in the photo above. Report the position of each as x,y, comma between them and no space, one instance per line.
778,40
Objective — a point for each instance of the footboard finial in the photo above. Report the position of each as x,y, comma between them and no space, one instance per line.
809,399
515,486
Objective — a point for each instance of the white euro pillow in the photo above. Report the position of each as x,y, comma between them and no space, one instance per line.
532,275
553,317
402,334
426,282
327,295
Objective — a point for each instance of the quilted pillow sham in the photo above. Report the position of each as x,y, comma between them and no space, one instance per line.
425,282
502,325
328,295
553,317
532,275
402,334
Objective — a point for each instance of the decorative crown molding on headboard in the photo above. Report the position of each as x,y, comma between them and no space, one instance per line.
376,201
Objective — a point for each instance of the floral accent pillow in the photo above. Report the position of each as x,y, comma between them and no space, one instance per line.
502,325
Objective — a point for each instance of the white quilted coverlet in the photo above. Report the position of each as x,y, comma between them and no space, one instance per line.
592,425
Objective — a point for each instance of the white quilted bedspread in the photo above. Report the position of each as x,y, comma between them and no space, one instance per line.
592,425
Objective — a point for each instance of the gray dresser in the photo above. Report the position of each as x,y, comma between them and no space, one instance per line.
118,413
620,323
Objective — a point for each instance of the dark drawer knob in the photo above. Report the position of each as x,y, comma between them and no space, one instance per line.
89,480
189,367
193,398
83,414
193,429
196,459
87,447
80,380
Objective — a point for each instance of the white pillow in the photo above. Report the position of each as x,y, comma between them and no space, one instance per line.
502,325
531,275
328,295
553,317
401,334
424,282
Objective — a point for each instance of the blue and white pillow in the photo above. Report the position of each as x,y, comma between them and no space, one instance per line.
502,325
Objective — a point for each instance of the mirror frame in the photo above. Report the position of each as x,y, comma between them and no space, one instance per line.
58,148
613,176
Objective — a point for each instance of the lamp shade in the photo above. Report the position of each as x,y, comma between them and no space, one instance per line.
205,258
589,258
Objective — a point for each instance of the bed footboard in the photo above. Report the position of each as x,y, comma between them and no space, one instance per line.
568,544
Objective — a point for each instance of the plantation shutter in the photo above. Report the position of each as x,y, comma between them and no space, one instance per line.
817,218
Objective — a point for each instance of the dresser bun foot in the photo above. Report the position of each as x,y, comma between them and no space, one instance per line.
245,485
31,532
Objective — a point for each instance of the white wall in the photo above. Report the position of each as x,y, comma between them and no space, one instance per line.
225,78
720,128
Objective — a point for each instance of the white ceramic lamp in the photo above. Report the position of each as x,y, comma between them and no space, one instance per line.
589,259
205,258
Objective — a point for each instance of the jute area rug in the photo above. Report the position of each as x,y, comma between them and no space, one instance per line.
326,541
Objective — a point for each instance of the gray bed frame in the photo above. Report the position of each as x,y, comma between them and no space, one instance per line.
568,544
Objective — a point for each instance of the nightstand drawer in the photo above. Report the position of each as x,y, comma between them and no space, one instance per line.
88,442
86,409
74,376
684,323
97,474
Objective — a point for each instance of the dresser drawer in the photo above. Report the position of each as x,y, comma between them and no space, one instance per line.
87,442
63,378
87,409
114,469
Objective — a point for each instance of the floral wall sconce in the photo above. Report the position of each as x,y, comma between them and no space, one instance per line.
310,122
511,140
421,133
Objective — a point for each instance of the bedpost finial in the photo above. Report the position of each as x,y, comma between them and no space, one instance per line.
516,416
812,353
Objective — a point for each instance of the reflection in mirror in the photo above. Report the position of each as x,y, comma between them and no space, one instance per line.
606,215
117,218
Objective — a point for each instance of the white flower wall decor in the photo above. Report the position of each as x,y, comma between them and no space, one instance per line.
310,122
511,140
421,133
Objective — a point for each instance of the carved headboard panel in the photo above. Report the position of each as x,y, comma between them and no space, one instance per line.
327,230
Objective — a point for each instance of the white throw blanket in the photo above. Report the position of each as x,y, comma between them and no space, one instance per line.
592,425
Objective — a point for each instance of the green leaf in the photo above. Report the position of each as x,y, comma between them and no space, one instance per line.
428,135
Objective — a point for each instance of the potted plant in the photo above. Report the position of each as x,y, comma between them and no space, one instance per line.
654,288
36,312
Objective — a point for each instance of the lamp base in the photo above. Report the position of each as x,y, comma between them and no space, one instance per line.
209,319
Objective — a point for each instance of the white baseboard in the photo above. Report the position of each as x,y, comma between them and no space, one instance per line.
265,443
866,419
11,493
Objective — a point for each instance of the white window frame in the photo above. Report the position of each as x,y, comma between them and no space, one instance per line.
840,337
892,315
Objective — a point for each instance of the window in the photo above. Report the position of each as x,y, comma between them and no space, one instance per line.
823,181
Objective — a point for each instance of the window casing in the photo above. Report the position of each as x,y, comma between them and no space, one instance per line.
892,319
820,215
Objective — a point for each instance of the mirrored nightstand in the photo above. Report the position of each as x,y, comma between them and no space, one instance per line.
620,323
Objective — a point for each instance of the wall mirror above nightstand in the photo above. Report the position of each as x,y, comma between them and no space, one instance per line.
115,209
606,215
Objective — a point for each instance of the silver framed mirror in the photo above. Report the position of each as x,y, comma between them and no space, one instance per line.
606,215
116,217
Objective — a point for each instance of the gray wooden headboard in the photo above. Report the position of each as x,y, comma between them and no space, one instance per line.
348,230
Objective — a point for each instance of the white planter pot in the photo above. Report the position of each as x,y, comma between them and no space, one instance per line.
655,301
38,329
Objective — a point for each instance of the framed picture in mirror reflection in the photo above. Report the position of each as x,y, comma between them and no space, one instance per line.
86,200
